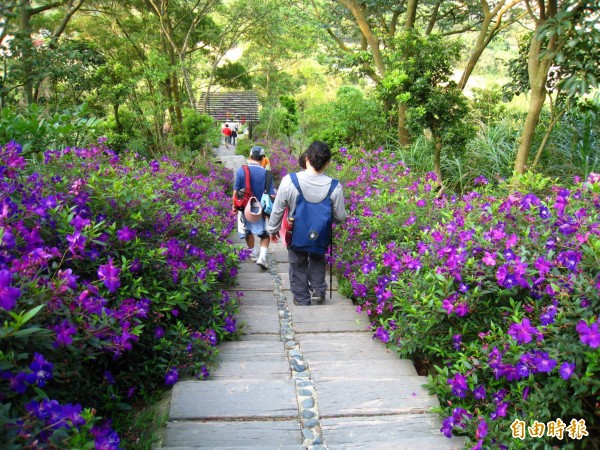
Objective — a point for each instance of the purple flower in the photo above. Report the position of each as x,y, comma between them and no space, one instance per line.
543,363
8,294
68,277
204,373
479,392
462,309
109,274
500,411
108,376
547,316
126,234
230,324
64,331
545,212
459,385
489,259
522,332
456,340
76,242
105,438
542,265
382,334
172,376
159,332
566,370
482,429
19,382
79,222
42,369
589,335
447,426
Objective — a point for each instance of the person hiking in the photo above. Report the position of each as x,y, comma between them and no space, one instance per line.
265,163
227,133
234,134
256,226
314,201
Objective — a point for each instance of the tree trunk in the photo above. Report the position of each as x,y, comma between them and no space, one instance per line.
365,29
536,103
118,126
538,73
411,14
403,135
26,49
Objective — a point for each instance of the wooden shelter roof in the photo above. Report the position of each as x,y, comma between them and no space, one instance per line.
239,106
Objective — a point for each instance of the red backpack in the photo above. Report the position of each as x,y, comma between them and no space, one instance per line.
240,200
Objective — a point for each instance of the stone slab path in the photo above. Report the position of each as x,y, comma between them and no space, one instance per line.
302,378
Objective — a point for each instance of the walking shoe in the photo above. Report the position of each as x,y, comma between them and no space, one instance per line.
262,262
253,255
316,297
301,304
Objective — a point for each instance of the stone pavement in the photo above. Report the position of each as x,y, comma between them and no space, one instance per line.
302,378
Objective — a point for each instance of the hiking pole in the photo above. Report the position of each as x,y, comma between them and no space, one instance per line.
331,260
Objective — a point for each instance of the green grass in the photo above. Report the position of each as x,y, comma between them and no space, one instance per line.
143,429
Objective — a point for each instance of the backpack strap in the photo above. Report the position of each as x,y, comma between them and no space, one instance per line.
268,181
295,181
247,177
334,184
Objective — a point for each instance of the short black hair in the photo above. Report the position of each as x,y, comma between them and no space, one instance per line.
318,154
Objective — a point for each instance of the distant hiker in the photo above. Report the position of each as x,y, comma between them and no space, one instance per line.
227,133
234,134
265,163
314,200
254,225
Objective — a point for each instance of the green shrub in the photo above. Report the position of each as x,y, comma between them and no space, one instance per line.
498,289
197,133
38,130
118,266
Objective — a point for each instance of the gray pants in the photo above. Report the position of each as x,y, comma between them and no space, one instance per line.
307,270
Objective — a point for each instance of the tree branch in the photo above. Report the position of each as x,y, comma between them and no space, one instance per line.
42,8
63,25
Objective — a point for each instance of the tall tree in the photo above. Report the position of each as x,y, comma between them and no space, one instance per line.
377,23
566,34
178,24
18,21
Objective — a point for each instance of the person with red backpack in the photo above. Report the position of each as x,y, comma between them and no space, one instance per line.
315,201
252,215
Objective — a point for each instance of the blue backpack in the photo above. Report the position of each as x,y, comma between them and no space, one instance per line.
312,221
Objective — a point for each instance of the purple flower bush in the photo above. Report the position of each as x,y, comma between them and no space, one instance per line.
498,289
112,271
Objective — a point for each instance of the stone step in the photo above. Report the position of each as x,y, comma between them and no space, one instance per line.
268,434
243,399
259,319
327,318
349,370
382,397
395,432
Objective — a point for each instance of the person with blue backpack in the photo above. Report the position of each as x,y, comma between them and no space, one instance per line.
315,201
